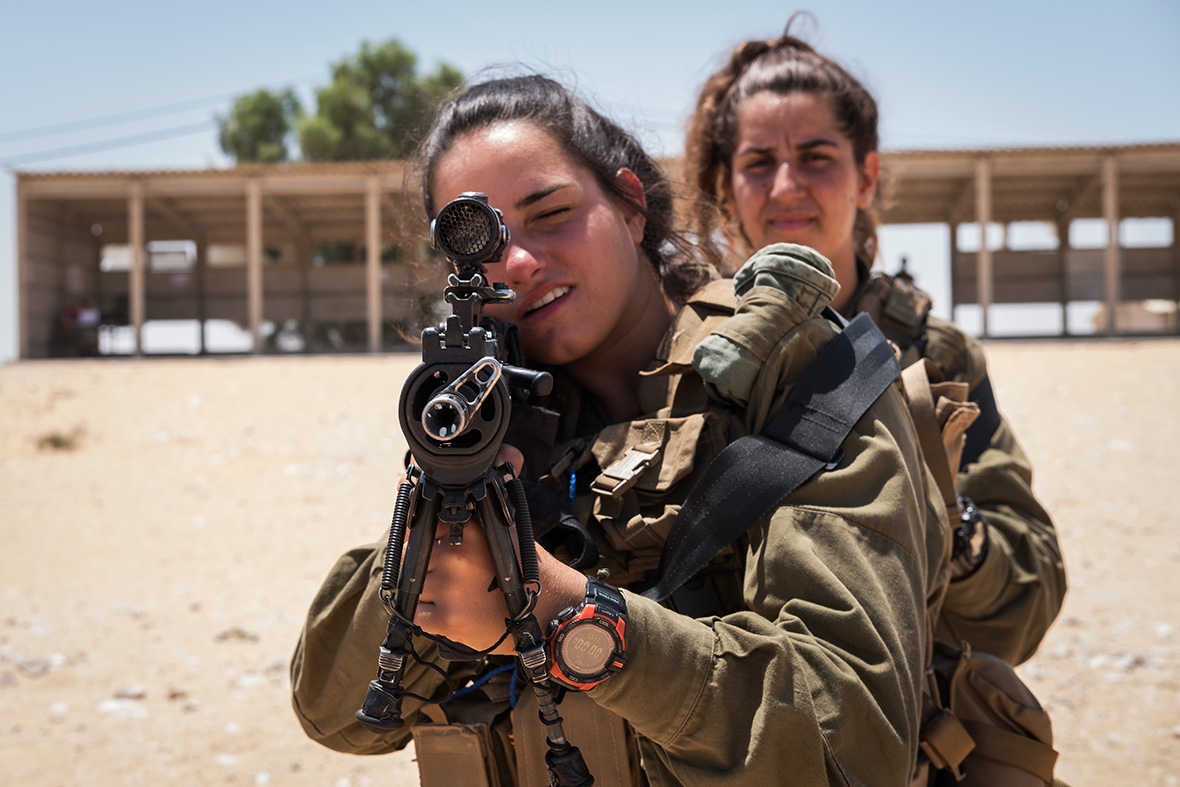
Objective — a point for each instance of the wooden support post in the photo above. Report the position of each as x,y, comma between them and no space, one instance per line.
254,260
1062,225
23,296
954,225
1176,263
138,277
303,254
373,261
201,269
96,274
983,216
1111,261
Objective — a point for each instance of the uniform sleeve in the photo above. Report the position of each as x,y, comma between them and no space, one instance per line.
336,657
1005,607
1008,604
819,675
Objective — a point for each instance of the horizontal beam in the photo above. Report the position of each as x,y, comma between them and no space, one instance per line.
120,188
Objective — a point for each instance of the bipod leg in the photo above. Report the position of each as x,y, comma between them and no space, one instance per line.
381,711
564,761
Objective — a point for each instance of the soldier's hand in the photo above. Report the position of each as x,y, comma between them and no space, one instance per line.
460,600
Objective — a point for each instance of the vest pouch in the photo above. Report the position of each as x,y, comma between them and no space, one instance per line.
650,455
451,754
900,309
643,462
607,745
1012,733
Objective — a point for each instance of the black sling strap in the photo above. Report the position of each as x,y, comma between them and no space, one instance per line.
979,434
753,474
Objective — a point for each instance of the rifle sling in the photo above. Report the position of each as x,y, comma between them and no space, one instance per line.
980,433
755,473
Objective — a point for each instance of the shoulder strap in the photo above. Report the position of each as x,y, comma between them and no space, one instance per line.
756,472
916,379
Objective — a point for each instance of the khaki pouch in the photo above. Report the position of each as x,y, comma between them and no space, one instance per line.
650,455
643,461
1011,732
606,744
453,754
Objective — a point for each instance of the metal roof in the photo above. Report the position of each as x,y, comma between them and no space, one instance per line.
301,201
1029,184
325,200
293,169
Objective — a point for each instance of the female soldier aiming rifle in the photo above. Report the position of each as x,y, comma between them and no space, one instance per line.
799,652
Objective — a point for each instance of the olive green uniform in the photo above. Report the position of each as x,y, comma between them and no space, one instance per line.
812,672
1006,606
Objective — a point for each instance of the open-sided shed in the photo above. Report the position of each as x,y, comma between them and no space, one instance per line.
1054,185
336,251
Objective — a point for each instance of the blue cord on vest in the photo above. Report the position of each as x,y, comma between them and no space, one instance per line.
485,679
512,689
573,486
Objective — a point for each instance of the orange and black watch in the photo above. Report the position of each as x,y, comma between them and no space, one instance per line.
587,643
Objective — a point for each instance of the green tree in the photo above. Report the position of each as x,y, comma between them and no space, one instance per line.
377,105
258,126
344,127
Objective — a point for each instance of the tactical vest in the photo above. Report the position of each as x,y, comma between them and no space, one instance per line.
634,471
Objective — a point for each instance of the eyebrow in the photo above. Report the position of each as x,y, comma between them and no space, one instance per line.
809,144
537,196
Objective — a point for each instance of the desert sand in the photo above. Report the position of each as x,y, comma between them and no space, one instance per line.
166,522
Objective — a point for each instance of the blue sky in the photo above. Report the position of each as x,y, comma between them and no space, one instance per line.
946,75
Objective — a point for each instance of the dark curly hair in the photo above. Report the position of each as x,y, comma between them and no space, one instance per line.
780,65
591,140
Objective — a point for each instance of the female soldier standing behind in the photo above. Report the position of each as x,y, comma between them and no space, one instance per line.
809,664
784,140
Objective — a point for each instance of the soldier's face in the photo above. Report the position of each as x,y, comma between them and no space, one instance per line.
573,258
794,176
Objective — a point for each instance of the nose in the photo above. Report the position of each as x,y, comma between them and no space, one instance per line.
786,183
521,263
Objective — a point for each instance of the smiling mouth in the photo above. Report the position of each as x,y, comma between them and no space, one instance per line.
790,221
549,298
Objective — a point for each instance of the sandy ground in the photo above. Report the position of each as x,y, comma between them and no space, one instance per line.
153,577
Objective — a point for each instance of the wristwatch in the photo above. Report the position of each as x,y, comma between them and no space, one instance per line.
587,643
970,541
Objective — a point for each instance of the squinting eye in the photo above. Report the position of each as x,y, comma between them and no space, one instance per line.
757,167
816,158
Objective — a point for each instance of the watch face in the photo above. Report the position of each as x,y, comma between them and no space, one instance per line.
586,648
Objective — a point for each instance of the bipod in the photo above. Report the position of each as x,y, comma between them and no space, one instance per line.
421,503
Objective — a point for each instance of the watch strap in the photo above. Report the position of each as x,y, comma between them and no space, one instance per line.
587,643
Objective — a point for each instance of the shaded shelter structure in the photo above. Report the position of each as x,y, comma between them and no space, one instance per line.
335,254
1056,186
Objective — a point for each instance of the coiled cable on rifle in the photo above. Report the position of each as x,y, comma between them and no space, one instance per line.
397,537
524,533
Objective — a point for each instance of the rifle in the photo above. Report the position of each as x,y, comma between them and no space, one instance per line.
454,411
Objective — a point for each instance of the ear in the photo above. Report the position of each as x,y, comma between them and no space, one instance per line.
726,200
629,182
870,174
735,234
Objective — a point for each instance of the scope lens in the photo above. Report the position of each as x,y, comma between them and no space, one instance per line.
464,229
